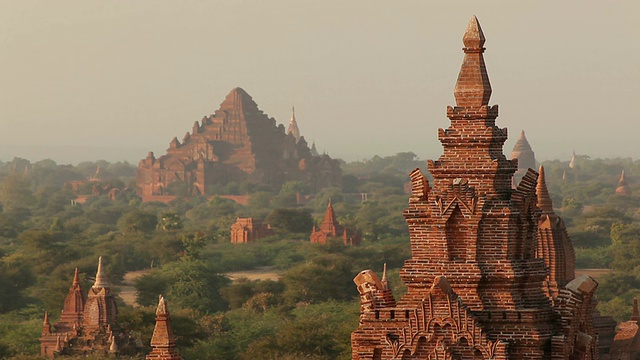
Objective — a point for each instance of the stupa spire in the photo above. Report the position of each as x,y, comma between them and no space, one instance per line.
544,200
101,279
473,87
293,125
76,278
384,281
163,342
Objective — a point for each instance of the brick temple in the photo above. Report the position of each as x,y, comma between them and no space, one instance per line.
491,272
88,323
238,143
331,230
246,230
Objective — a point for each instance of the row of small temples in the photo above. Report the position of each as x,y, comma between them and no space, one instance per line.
492,271
238,143
246,230
89,325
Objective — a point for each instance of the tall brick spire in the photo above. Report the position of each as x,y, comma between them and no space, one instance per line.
73,303
554,244
473,87
474,282
163,343
544,200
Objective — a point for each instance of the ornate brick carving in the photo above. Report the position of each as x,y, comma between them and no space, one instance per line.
474,282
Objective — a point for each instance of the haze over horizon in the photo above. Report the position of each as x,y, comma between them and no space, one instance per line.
88,80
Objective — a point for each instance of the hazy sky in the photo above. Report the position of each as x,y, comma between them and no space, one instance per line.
84,80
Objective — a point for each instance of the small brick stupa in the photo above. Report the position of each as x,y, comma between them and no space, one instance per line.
163,343
87,324
475,288
623,188
331,229
525,155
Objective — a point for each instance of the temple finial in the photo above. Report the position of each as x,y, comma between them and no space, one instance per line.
76,278
101,280
474,37
385,283
544,200
293,125
473,88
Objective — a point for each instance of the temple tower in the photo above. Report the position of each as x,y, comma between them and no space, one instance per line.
100,308
554,244
330,228
163,343
474,283
73,304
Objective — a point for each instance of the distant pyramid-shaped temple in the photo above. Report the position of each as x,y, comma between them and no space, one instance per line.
476,286
238,143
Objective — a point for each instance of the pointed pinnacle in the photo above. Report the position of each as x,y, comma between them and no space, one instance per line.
384,272
76,278
622,178
473,87
474,37
101,281
162,306
46,318
544,200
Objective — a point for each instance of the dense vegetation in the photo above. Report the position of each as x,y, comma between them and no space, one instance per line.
183,249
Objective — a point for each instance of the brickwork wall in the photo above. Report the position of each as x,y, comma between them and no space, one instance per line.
474,282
